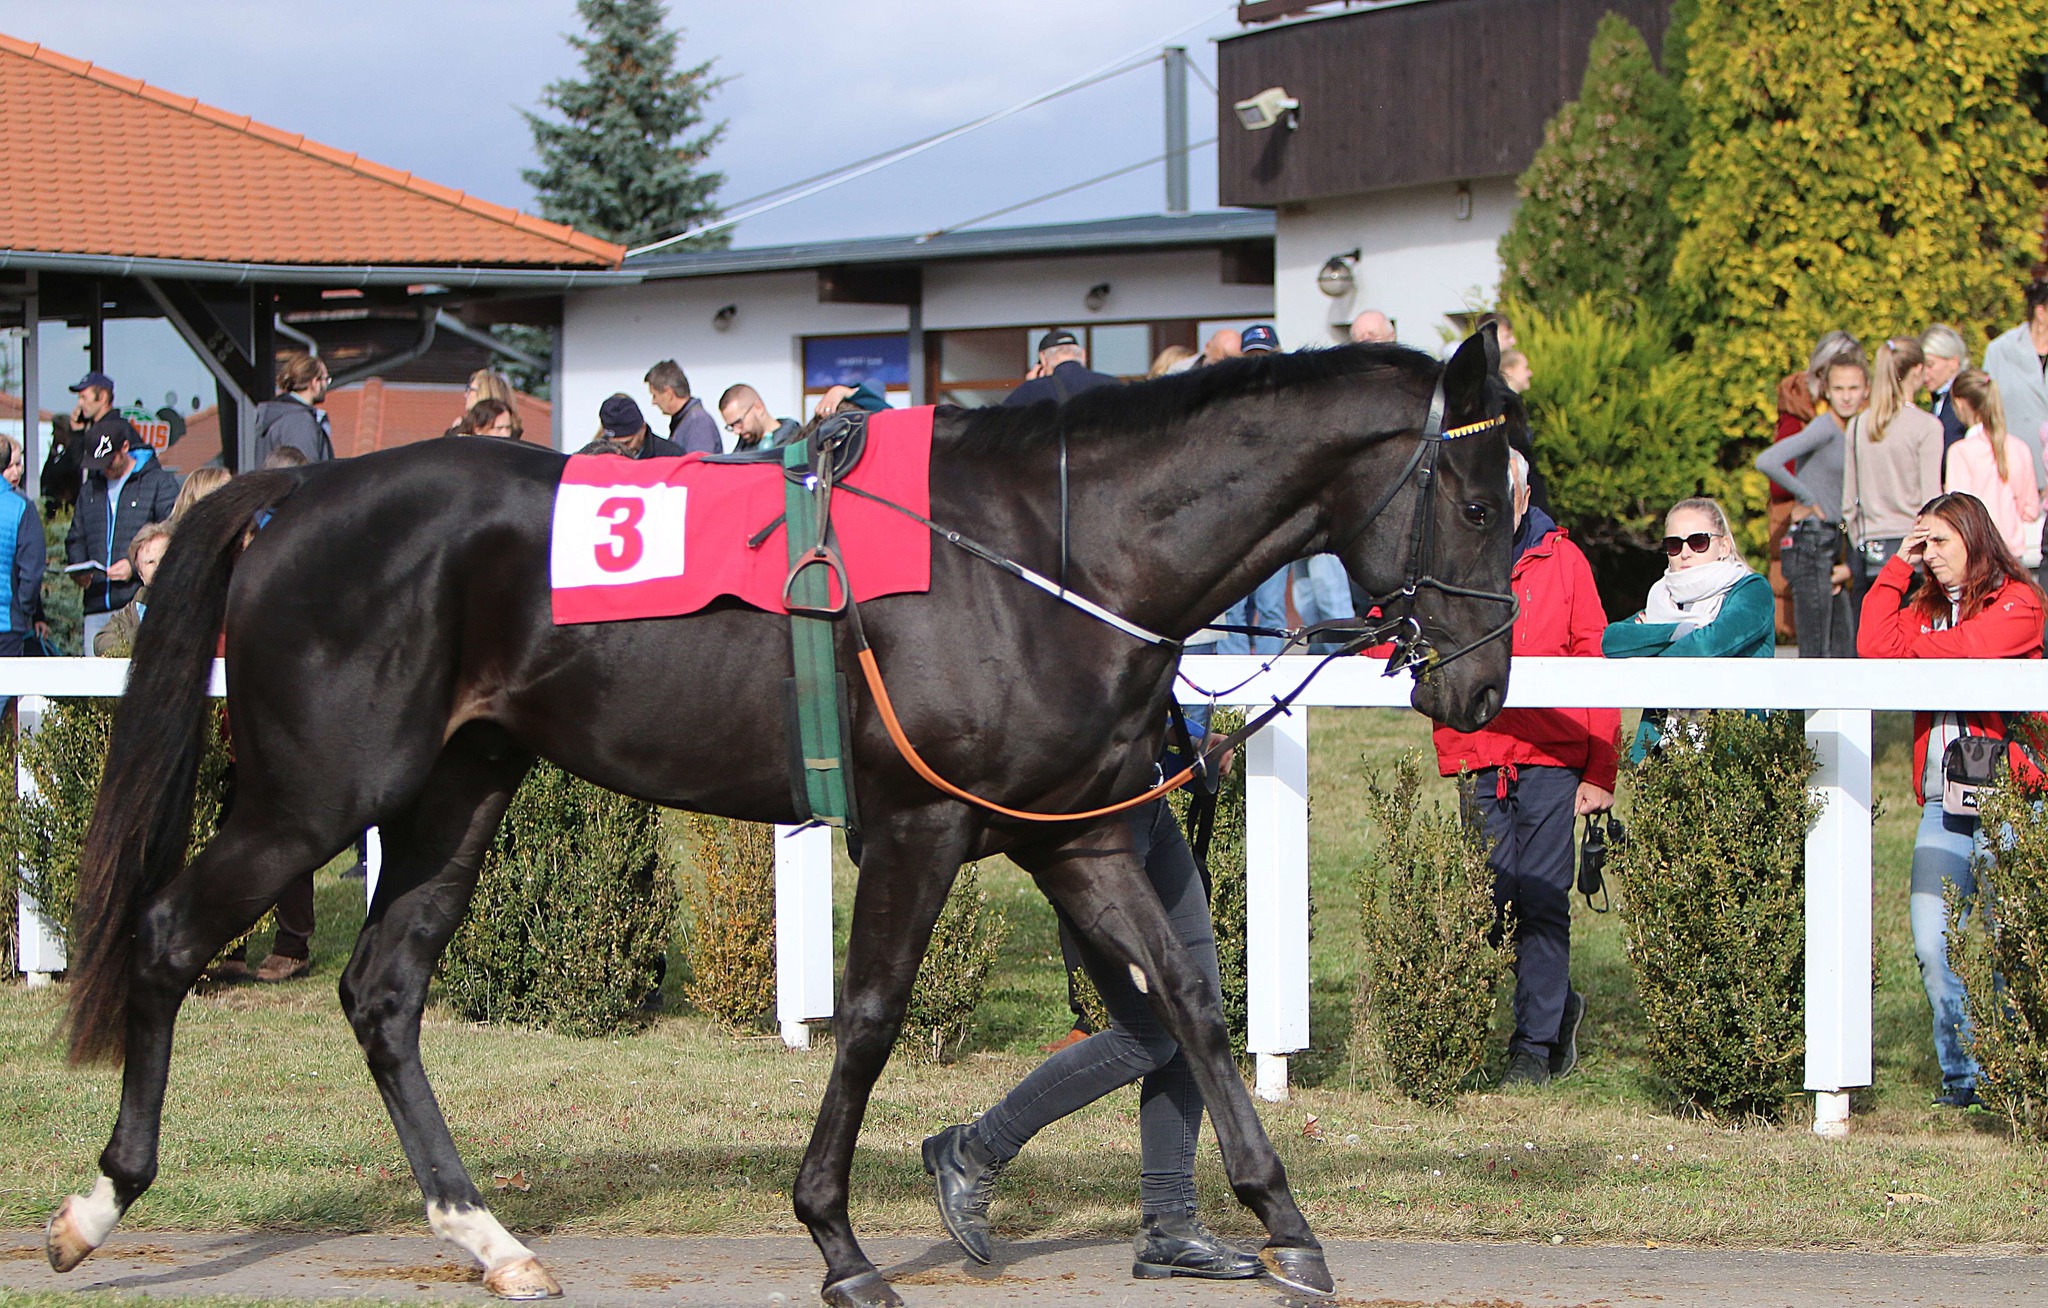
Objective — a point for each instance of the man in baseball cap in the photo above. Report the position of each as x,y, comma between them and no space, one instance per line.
122,488
1260,339
1062,371
621,421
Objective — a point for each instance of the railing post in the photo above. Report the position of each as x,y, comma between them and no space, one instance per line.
1838,908
803,930
39,953
1276,898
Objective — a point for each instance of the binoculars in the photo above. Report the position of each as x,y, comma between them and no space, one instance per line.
1602,832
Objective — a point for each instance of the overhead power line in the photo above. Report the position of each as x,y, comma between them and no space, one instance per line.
825,181
1066,190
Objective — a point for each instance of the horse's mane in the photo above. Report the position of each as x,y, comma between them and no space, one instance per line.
1163,403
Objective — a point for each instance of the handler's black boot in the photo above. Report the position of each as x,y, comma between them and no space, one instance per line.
964,1174
1177,1244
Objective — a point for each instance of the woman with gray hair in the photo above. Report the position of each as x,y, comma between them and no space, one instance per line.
1947,355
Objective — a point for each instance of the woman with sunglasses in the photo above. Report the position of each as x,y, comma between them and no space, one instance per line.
1709,604
1953,591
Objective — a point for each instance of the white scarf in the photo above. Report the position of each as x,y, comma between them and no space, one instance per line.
1693,597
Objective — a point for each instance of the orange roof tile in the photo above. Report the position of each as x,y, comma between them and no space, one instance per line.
371,416
190,181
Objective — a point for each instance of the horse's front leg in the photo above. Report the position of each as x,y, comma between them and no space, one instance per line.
906,872
1104,890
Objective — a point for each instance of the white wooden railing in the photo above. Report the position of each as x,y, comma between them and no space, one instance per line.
1838,697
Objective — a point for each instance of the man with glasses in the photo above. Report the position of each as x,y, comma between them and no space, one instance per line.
295,419
750,424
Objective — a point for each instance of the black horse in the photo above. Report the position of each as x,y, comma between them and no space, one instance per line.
392,661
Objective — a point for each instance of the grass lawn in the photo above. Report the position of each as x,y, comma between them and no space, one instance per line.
272,1121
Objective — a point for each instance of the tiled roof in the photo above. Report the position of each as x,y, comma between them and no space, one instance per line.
365,418
10,408
183,180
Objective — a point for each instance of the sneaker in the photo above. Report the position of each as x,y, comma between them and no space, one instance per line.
279,968
1564,1055
1961,1096
964,1176
1526,1071
1177,1244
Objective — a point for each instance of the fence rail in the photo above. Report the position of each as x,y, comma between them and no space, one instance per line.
1838,696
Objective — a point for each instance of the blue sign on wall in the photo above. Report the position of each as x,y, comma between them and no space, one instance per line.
851,360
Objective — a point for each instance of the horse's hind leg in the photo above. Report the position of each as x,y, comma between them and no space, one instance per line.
431,857
906,872
219,895
1103,888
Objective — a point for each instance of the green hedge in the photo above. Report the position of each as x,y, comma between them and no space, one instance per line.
953,977
2001,952
730,940
1713,904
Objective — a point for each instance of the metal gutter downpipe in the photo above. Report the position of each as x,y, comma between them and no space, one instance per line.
455,326
429,317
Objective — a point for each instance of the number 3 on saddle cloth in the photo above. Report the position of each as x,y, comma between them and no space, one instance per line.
662,538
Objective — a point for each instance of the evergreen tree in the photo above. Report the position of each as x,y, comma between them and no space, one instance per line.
623,163
1595,217
1867,165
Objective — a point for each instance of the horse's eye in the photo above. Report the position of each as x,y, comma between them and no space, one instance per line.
1478,514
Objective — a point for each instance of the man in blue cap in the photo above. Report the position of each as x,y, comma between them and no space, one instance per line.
1062,371
122,488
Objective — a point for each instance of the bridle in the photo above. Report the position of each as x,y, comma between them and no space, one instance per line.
1396,625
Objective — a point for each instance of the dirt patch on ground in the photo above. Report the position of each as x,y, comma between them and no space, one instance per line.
946,1276
21,1255
660,1280
424,1273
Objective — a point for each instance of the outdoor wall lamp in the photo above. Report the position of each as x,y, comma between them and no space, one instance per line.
1337,278
723,319
1097,296
1269,106
1461,204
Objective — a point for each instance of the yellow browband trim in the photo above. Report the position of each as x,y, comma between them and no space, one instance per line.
1472,427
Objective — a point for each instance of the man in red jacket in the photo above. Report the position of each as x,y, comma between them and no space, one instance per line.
1534,771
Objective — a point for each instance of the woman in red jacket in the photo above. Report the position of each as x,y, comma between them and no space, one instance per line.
1953,591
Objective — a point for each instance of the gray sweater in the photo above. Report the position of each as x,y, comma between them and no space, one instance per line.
1816,449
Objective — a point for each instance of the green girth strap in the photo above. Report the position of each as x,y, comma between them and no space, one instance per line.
815,698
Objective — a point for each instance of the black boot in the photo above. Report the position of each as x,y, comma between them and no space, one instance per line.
1177,1244
963,1173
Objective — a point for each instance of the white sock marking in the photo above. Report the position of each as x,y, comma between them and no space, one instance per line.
478,1232
97,1213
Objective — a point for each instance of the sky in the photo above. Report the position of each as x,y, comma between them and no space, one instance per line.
435,87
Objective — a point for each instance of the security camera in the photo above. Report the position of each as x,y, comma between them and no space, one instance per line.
1269,106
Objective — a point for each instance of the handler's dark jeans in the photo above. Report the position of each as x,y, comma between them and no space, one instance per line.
1528,822
1823,619
1134,1046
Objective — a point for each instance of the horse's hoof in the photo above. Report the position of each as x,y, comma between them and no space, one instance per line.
1298,1269
63,1241
867,1290
522,1278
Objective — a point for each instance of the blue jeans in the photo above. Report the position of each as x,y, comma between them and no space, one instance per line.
1941,854
1264,607
1323,594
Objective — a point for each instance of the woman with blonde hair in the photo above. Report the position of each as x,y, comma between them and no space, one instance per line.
484,384
1992,464
1893,463
1709,604
199,483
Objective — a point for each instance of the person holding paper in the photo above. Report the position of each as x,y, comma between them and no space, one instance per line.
123,488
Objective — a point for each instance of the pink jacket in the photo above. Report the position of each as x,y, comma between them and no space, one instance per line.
1973,469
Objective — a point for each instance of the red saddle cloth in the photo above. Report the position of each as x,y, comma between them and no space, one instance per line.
659,538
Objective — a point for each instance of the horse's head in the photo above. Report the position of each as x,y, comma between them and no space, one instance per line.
1436,544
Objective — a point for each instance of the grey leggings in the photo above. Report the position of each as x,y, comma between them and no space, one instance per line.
1134,1046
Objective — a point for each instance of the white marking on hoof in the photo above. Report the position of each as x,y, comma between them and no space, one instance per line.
80,1225
480,1235
522,1278
1138,980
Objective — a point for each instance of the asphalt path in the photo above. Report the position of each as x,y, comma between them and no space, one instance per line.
663,1272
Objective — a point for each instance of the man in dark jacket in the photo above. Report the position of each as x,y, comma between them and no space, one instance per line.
689,426
623,422
1533,772
294,419
122,488
1062,371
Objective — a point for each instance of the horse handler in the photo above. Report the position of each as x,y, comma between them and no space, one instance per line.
965,1161
1532,772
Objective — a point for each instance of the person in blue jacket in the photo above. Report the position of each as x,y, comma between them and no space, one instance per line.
1709,604
22,545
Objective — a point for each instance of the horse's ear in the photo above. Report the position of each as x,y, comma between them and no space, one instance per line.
1465,375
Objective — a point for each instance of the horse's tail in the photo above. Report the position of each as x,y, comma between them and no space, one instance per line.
142,822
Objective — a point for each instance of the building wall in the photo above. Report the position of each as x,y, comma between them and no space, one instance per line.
610,337
1418,261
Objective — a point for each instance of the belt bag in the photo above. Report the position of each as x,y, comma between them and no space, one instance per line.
1969,766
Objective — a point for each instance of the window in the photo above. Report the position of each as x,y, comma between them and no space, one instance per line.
981,366
880,360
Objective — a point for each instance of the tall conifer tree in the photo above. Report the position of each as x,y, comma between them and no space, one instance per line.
1595,217
1868,165
625,161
